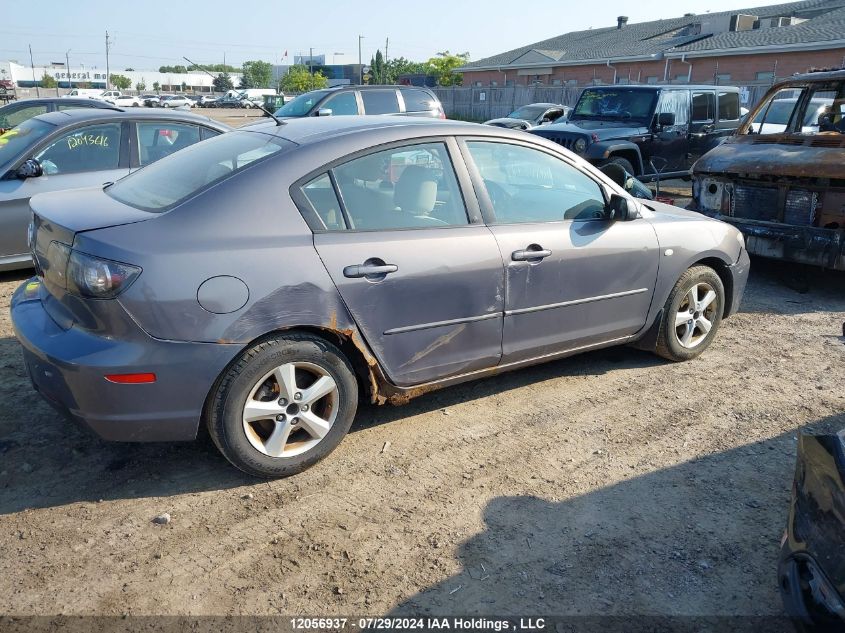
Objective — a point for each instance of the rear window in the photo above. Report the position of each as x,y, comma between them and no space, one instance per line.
418,101
175,178
380,101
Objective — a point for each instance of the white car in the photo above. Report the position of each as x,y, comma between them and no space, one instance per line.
126,101
174,101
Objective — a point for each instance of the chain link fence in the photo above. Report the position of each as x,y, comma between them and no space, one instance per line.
482,104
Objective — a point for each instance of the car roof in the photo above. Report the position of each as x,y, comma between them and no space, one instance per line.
307,130
377,87
542,104
81,115
62,101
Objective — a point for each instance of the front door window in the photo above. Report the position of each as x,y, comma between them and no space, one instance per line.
89,148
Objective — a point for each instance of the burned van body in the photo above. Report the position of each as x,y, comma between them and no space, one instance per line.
781,178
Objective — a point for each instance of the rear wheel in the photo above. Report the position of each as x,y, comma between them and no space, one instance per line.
284,404
692,314
624,163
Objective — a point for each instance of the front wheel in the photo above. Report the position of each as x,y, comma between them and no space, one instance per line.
692,314
283,405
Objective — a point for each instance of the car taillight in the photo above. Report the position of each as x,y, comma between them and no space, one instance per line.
86,275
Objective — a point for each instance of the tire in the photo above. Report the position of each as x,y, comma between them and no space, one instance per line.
281,440
624,163
675,341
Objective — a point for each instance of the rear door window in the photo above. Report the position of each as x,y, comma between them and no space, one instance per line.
703,107
380,101
158,139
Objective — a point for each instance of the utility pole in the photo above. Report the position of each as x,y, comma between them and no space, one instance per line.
108,76
67,68
32,65
311,61
360,63
384,61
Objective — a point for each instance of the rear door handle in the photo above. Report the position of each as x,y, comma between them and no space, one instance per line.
367,270
530,254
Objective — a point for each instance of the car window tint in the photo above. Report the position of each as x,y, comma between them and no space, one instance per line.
380,101
418,101
168,182
207,133
675,102
71,106
19,116
342,104
158,139
89,148
527,185
321,195
728,106
703,106
407,187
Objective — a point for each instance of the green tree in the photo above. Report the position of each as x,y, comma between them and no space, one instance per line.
377,69
401,66
141,86
223,82
443,67
256,74
121,82
298,79
128,70
213,68
172,69
47,81
156,86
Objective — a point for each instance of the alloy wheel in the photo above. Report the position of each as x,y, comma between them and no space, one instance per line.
290,409
694,318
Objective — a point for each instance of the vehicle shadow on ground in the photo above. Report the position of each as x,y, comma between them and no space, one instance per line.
786,288
699,538
47,461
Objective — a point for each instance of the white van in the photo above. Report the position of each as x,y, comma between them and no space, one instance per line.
83,93
252,96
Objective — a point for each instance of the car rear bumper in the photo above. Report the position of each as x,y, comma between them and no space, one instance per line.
68,368
801,244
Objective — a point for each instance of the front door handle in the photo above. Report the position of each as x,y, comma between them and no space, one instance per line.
369,270
533,252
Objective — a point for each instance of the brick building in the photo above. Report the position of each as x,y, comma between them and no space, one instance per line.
745,47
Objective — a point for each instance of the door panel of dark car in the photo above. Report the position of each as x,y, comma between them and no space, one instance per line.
669,143
702,127
593,278
433,307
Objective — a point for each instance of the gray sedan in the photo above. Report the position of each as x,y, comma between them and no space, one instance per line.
81,148
265,280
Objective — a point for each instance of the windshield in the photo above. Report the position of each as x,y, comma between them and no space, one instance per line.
302,104
173,179
615,104
22,137
527,113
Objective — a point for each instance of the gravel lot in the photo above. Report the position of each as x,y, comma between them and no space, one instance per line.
611,482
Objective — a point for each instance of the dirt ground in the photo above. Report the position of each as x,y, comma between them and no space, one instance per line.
611,482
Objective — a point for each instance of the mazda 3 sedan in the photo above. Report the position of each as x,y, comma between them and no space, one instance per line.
263,281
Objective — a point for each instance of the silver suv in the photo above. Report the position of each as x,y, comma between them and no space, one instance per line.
351,100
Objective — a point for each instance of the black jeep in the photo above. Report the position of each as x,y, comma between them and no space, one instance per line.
647,129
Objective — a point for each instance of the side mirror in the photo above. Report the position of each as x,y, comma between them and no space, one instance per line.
665,119
30,169
622,209
324,112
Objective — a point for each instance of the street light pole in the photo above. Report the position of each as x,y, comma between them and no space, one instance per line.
67,68
360,63
108,76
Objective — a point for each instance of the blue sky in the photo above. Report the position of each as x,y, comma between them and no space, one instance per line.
152,33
